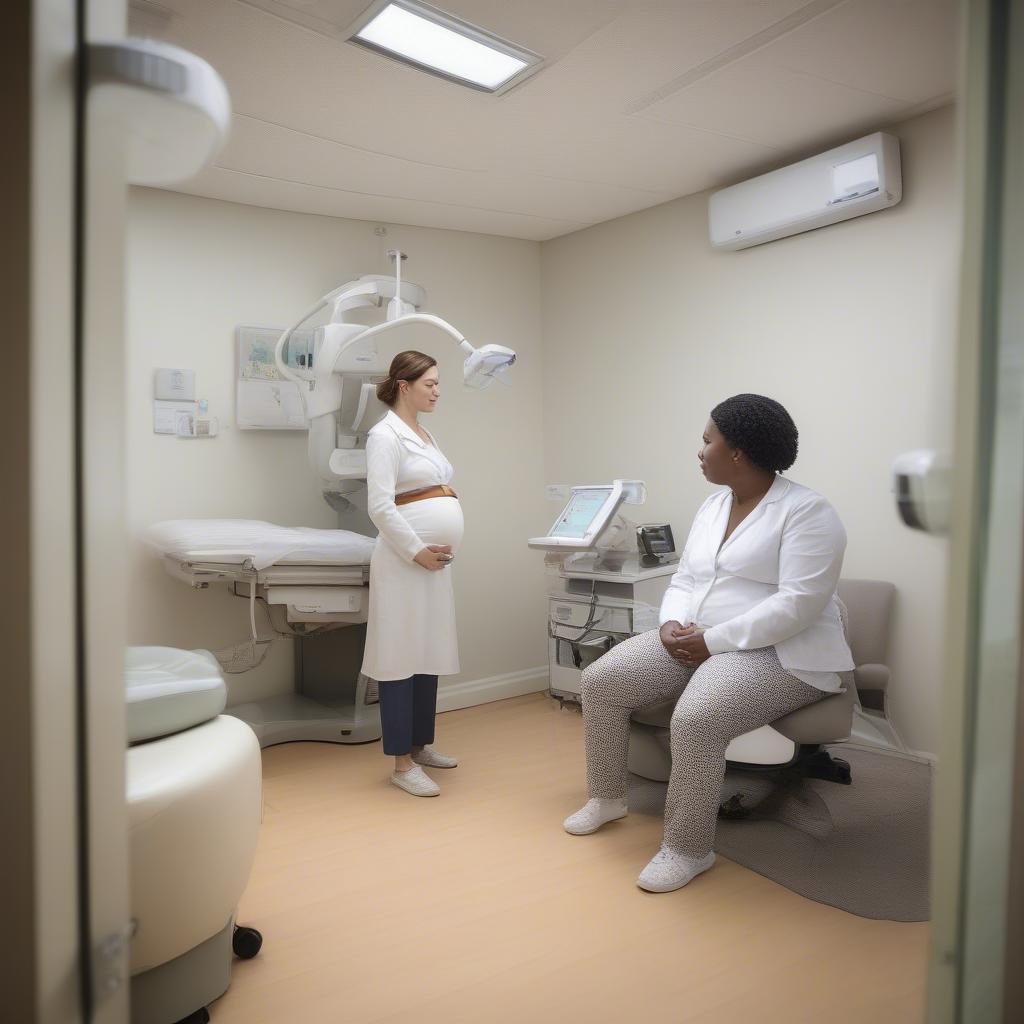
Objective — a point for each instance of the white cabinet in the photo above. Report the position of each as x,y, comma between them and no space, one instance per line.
591,608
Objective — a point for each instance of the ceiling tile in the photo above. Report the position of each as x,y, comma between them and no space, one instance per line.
904,49
549,29
240,187
759,101
658,156
324,126
273,151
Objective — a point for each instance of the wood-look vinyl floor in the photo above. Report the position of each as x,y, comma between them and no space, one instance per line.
477,907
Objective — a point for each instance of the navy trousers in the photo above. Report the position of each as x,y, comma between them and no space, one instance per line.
407,710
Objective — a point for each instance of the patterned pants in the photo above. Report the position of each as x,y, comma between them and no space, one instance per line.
725,697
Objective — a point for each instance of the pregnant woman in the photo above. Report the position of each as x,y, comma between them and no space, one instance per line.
751,630
410,632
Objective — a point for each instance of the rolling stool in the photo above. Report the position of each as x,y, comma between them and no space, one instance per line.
194,801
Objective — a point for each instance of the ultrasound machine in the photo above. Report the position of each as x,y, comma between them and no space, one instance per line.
606,578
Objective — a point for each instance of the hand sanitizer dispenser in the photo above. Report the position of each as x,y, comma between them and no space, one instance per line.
923,484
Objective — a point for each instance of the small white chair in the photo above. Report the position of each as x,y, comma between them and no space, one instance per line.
194,803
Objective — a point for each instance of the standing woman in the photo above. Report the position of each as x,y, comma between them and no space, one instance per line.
410,632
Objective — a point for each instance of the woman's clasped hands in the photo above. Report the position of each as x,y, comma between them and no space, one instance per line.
685,643
435,557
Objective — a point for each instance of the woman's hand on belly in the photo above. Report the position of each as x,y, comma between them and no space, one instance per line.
434,557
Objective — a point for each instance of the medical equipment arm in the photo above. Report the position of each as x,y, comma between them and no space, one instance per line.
413,318
347,296
481,364
479,370
282,366
337,386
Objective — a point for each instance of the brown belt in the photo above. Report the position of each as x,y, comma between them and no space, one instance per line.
440,491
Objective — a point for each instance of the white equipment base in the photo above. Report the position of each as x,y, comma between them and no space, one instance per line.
193,823
762,747
650,754
614,592
291,717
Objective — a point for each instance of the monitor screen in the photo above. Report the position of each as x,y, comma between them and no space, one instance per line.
578,516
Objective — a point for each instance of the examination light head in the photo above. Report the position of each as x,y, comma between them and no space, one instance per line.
483,365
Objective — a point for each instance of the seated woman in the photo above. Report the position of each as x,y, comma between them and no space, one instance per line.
750,631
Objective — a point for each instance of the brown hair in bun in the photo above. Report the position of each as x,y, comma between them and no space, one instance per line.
407,366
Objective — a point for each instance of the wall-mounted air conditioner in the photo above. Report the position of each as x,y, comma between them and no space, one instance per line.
848,181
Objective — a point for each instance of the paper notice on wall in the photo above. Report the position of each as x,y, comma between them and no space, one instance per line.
264,399
269,405
165,415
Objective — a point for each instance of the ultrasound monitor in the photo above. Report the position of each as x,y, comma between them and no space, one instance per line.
577,518
584,518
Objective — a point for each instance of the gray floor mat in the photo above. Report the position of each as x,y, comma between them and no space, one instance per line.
862,848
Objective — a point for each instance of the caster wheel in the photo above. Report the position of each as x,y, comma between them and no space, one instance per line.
246,942
733,809
201,1016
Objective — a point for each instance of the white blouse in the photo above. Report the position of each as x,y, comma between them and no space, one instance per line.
399,460
771,584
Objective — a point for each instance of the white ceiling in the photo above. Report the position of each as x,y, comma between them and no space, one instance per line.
638,102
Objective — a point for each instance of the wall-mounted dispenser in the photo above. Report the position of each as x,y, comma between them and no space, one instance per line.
923,484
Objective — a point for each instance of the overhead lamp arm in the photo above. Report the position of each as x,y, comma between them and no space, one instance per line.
411,318
480,367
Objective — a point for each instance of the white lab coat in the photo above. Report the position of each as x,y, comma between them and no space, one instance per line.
411,623
771,584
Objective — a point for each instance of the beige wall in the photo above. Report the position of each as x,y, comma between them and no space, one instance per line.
851,327
197,268
644,329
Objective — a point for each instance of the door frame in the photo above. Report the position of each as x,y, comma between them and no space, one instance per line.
979,820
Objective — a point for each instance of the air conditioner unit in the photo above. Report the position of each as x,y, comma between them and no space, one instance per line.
848,181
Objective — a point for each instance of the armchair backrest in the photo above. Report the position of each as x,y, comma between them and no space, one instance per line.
869,605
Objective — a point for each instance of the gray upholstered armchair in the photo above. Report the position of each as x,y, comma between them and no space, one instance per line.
797,740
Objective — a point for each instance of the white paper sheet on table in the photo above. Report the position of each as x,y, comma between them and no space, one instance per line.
232,540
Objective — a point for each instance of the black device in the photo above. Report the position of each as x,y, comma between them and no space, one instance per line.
655,542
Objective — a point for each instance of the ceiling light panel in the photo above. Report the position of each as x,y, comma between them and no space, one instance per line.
434,41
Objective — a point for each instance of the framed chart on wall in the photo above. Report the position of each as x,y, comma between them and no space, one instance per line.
263,399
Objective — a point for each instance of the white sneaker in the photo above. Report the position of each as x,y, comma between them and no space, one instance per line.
416,781
669,870
429,757
593,814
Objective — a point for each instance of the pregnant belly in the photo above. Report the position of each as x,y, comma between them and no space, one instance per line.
435,520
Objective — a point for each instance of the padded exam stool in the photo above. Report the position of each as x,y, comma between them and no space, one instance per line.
194,801
798,740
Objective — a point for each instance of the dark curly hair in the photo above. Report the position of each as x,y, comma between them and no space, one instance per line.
760,428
